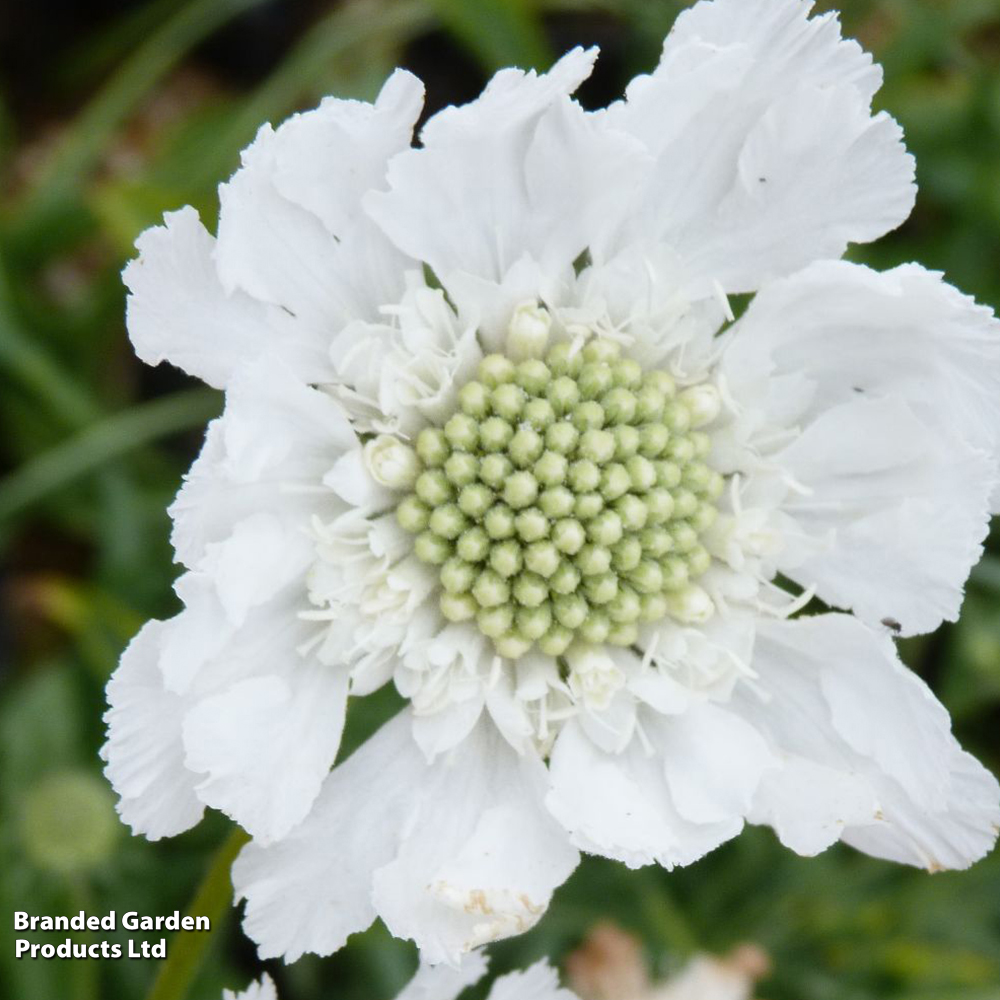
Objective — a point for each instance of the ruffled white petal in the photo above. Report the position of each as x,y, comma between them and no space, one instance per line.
263,989
621,805
290,230
868,750
767,155
179,312
897,400
452,854
144,752
522,171
442,982
539,982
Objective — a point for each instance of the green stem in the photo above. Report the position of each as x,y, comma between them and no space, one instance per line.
104,440
214,899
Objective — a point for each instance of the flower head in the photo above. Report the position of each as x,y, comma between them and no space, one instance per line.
492,434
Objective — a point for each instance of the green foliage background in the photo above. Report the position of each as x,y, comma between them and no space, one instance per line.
111,113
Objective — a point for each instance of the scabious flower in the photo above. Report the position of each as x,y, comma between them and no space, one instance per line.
539,982
493,435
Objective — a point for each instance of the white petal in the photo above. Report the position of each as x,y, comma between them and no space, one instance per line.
268,452
480,857
524,168
308,892
179,312
903,469
767,156
833,693
439,731
620,805
714,761
144,753
290,229
442,982
265,734
539,982
263,989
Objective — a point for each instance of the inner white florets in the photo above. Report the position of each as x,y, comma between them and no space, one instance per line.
565,496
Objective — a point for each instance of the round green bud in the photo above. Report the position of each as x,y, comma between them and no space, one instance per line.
448,521
618,405
625,606
641,472
592,560
458,607
656,541
495,434
660,504
525,447
632,511
568,536
597,445
462,431
661,381
595,627
606,529
588,505
677,417
413,514
556,641
668,474
563,395
490,589
647,577
533,623
496,370
653,440
588,415
684,536
542,558
507,401
433,487
458,576
565,579
627,373
432,447
521,490
561,437
675,573
532,525
499,522
649,404
474,399
652,607
494,470
702,443
626,441
506,559
698,562
685,503
562,359
474,545
681,450
716,486
539,413
615,481
533,376
601,589
475,500
551,468
530,590
601,350
583,475
624,634
461,468
594,380
512,646
570,610
495,622
696,477
431,548
557,501
626,554
704,517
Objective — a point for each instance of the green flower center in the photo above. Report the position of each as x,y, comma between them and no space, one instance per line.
565,500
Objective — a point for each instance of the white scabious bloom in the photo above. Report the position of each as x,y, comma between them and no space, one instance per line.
539,982
491,434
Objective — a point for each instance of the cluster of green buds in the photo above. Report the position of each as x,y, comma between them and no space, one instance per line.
566,498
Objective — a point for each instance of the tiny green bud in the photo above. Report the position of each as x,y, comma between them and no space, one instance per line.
474,399
494,622
649,405
588,415
685,503
703,403
563,394
533,623
521,490
626,441
532,525
562,359
661,381
413,514
641,472
462,431
533,376
490,589
495,469
557,501
568,536
512,646
448,521
627,554
542,558
588,505
702,443
432,447
704,517
681,450
623,634
652,607
698,561
625,606
495,434
431,548
525,447
433,488
601,350
653,440
592,560
561,437
530,590
594,380
556,641
595,627
597,445
660,503
647,577
499,522
551,468
475,500
539,413
632,511
618,405
461,468
627,373
684,536
528,331
668,474
583,475
571,610
656,542
602,588
458,576
677,417
675,573
495,370
474,545
458,607
606,529
507,401
615,481
506,559
690,605
565,579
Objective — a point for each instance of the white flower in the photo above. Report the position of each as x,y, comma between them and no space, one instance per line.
539,982
579,590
